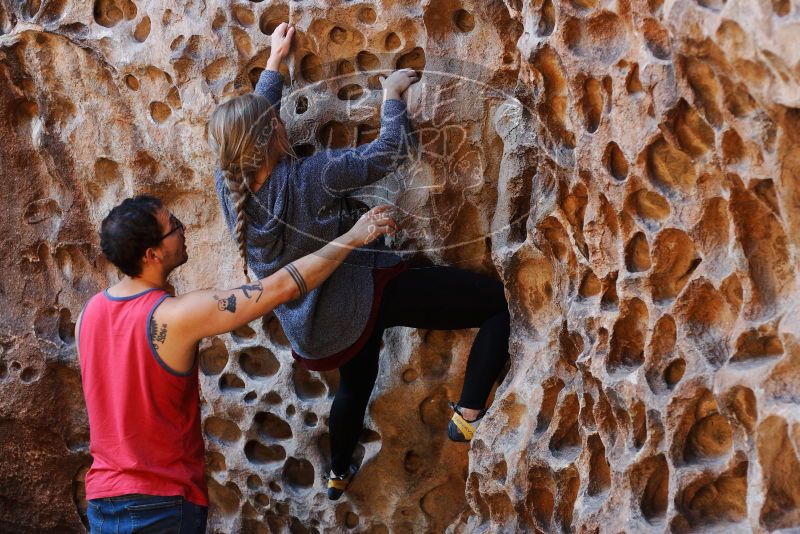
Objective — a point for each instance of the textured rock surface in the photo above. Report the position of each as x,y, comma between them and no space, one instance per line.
629,169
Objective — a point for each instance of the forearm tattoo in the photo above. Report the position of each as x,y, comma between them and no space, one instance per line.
226,304
157,335
298,279
254,287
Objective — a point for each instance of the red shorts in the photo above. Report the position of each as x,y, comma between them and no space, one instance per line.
380,277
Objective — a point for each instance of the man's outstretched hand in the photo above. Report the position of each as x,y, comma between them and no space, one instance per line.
281,42
396,84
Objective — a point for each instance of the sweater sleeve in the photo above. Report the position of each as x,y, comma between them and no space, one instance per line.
341,171
270,85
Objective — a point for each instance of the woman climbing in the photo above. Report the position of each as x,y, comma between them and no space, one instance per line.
279,206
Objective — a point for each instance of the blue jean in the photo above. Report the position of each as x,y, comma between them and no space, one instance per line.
146,513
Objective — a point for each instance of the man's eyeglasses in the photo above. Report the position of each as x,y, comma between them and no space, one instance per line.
176,225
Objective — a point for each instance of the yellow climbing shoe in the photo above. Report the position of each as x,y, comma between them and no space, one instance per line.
459,429
338,483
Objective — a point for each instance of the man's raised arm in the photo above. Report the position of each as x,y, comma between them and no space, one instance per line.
209,312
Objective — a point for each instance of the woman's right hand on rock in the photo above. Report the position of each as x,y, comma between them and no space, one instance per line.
397,82
281,41
373,224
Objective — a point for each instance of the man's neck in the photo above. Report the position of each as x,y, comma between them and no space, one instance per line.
131,286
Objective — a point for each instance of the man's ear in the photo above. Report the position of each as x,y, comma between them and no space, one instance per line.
151,256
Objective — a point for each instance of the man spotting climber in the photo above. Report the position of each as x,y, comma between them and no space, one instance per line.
137,347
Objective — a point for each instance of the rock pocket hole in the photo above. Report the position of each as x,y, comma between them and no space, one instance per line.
463,21
272,17
590,285
599,469
215,461
159,112
298,473
757,345
628,337
301,106
610,299
566,440
632,82
338,35
694,134
310,419
311,68
225,499
109,13
132,82
551,388
28,375
637,254
780,471
271,426
306,386
392,42
656,38
674,372
656,491
651,208
367,15
243,15
415,59
366,61
222,430
710,437
721,500
639,424
66,328
615,161
259,453
592,104
213,359
230,382
258,362
142,30
670,167
304,150
705,87
675,261
547,19
350,92
243,333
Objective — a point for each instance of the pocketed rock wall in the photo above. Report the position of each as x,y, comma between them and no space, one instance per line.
629,169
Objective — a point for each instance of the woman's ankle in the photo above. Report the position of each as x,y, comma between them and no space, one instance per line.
469,414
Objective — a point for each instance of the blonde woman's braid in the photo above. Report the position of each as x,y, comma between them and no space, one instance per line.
239,191
241,135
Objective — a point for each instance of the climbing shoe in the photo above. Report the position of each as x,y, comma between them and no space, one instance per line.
459,429
338,483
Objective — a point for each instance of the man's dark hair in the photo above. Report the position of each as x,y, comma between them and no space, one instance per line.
129,230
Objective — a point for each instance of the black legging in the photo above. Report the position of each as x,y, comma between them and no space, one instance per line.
436,298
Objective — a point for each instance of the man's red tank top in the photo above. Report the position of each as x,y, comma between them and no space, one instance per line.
144,418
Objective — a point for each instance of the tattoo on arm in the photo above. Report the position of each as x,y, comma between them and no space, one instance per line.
226,304
247,288
157,335
298,279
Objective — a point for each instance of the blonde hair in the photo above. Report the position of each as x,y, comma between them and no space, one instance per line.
240,134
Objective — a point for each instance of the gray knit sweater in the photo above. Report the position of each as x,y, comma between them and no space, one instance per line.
303,205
